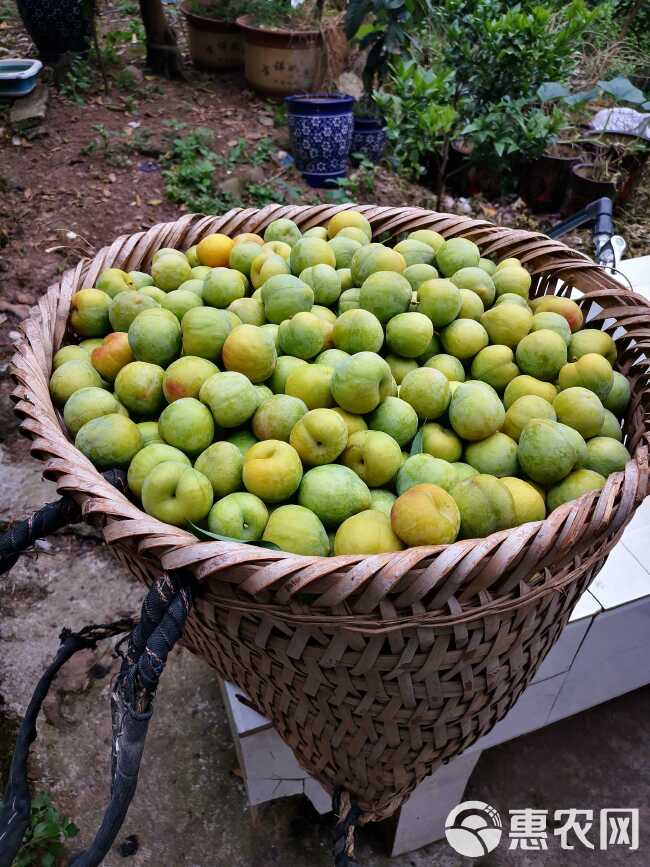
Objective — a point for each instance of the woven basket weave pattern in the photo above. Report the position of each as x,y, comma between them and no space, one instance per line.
374,669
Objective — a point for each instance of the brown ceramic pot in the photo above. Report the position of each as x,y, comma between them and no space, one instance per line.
215,44
281,62
584,189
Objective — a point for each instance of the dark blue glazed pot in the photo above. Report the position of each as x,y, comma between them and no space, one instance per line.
58,26
320,129
369,138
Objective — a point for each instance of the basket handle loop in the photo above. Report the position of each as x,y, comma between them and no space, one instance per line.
49,518
348,814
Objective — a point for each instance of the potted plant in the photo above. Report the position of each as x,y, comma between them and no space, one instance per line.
612,167
58,27
387,30
591,181
283,46
320,129
611,157
633,152
506,139
215,40
543,186
422,114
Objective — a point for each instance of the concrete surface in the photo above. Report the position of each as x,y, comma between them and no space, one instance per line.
190,809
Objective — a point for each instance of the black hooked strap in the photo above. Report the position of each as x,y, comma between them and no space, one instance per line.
48,519
164,612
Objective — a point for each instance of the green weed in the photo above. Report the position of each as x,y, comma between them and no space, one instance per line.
127,7
106,144
77,81
43,844
189,177
360,182
7,12
239,153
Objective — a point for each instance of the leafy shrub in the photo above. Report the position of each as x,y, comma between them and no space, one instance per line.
42,844
221,10
479,66
513,131
499,49
391,28
419,112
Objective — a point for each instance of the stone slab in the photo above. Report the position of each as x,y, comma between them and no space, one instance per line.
30,111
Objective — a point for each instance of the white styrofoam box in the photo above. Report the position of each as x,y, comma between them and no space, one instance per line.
587,606
637,541
562,654
612,660
422,817
641,518
623,579
244,719
529,713
317,795
638,273
269,767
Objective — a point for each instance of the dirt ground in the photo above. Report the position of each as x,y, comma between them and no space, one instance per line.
90,172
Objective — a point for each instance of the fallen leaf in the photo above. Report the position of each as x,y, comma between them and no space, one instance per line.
154,201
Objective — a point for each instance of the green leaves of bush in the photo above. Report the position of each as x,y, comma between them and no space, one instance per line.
620,89
43,842
385,29
482,73
418,111
513,128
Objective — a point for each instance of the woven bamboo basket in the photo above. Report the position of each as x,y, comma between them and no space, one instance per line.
374,670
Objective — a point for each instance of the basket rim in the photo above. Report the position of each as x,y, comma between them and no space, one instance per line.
44,329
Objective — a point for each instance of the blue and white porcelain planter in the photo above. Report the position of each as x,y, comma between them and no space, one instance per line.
320,129
369,138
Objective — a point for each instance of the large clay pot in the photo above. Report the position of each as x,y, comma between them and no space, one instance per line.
629,152
320,129
281,62
58,27
215,44
469,177
544,183
584,189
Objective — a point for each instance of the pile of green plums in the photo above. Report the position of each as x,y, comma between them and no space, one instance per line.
328,394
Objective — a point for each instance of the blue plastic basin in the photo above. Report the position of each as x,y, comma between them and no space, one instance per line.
18,77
